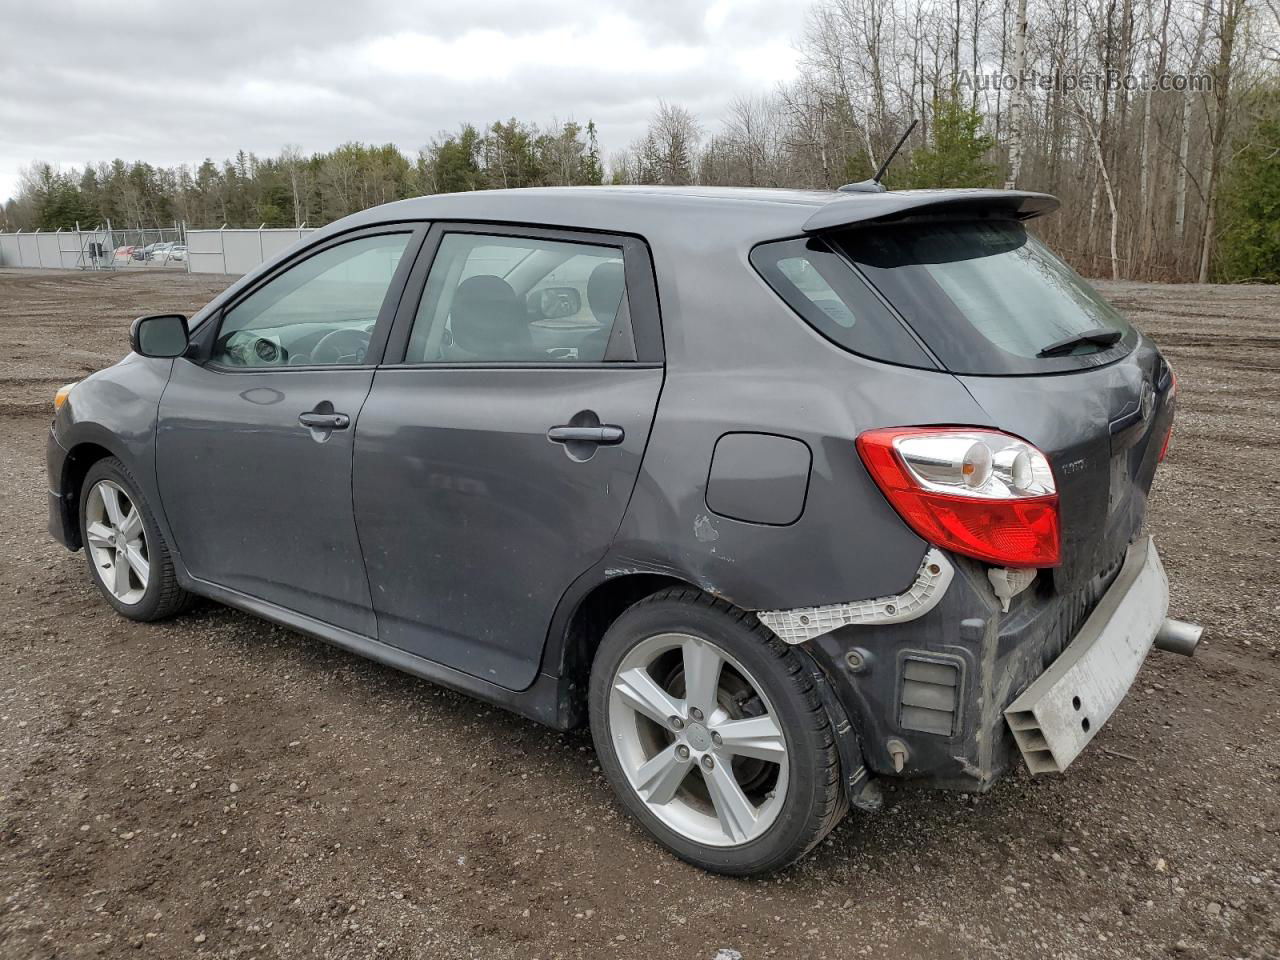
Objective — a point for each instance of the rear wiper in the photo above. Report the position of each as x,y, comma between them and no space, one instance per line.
1102,336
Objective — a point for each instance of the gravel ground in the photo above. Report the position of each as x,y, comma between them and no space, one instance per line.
219,787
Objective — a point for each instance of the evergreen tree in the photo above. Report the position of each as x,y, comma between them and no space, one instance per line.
956,158
1249,248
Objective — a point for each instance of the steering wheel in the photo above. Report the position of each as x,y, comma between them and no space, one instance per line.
348,345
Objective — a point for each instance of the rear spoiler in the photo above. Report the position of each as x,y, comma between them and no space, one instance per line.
896,205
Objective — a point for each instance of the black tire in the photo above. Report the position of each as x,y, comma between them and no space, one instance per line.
163,596
814,802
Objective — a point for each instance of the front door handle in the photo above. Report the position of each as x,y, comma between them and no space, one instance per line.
325,421
606,434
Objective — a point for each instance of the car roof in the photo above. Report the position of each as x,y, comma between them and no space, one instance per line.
655,211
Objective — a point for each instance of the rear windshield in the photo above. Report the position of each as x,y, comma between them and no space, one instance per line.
985,297
988,297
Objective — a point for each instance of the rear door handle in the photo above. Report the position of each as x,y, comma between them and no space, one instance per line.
325,421
607,434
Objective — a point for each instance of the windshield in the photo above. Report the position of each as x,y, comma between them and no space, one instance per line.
989,298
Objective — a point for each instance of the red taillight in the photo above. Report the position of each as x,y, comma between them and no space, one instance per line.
1168,437
976,492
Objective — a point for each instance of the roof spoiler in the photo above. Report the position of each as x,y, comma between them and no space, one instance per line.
896,205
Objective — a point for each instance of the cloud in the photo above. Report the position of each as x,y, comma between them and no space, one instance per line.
174,83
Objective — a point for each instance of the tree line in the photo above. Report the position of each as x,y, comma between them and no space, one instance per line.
1157,124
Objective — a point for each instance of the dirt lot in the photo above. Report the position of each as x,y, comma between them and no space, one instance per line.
219,787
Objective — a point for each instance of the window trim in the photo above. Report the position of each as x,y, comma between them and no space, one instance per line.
641,298
206,336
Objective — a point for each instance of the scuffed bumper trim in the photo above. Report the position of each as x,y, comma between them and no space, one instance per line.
1054,719
805,623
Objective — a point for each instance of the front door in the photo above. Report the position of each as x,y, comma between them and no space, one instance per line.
495,462
255,438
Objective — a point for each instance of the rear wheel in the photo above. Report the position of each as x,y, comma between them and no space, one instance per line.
712,734
127,556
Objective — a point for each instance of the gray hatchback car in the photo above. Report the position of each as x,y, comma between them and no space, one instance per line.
782,492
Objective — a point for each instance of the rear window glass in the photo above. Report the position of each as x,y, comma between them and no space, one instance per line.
819,285
988,297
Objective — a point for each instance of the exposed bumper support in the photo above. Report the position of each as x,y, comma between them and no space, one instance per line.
1060,712
805,623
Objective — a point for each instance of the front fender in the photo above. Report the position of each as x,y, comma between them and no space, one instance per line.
112,412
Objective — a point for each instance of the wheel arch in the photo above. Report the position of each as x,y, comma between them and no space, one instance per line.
80,458
580,623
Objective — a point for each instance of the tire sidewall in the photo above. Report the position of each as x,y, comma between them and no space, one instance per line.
113,470
788,836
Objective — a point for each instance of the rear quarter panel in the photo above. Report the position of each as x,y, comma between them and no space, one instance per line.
738,359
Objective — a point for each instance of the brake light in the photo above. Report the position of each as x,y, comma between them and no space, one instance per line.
1168,437
980,493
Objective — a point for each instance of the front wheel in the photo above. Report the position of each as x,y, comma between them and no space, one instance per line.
712,734
127,555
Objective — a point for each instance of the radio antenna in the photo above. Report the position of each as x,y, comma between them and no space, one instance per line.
874,185
894,152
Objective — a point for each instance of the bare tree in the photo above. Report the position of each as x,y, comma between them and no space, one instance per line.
1227,23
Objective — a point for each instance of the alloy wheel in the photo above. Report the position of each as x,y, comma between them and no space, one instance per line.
698,739
117,542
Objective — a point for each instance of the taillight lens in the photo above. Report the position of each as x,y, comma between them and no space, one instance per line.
980,493
1168,437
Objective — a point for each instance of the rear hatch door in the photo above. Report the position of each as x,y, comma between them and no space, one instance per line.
1045,356
1102,430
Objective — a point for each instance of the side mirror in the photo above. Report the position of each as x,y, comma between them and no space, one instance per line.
164,335
556,303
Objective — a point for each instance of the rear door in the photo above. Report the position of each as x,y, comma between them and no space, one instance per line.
501,441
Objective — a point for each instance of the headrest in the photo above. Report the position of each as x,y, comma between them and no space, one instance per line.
486,314
604,290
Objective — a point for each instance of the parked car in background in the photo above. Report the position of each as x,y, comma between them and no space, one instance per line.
178,252
161,252
124,253
785,493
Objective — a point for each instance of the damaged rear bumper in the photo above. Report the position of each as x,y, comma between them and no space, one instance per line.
1054,719
928,697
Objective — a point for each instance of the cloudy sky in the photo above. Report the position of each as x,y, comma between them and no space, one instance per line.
171,82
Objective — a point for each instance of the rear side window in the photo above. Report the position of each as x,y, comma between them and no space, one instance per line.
987,297
507,299
830,296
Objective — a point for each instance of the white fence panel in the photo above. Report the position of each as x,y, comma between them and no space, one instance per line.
47,251
28,250
9,255
238,251
243,250
204,251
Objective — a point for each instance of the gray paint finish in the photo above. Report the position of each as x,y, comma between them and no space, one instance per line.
259,503
445,534
473,522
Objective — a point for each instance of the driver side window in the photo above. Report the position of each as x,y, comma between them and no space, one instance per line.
321,311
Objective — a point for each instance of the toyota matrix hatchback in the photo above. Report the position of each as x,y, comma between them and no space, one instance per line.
784,493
